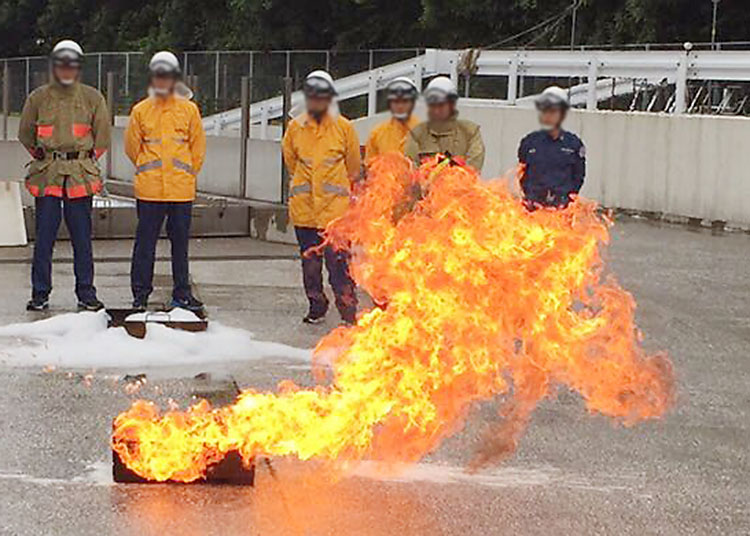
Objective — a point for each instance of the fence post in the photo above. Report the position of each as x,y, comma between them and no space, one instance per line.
286,109
245,97
99,73
418,70
263,122
592,99
111,107
681,85
127,74
513,81
454,70
217,79
6,99
372,94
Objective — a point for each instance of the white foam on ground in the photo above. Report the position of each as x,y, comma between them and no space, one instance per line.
176,315
83,341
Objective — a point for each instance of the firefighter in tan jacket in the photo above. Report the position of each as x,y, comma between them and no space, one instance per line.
444,132
166,142
65,126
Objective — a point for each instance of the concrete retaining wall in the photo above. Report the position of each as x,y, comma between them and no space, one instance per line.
691,166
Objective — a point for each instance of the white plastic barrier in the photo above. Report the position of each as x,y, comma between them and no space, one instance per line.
12,226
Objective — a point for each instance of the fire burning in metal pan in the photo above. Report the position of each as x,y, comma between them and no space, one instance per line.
485,300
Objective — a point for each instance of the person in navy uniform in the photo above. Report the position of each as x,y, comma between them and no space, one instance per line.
553,159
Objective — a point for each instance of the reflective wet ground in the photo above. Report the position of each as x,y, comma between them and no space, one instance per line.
573,474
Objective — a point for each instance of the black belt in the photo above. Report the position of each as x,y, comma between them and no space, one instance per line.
75,155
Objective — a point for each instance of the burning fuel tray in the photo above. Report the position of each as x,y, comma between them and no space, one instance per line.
136,322
230,471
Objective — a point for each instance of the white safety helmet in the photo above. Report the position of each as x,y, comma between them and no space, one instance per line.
164,63
553,97
441,89
402,88
319,84
67,52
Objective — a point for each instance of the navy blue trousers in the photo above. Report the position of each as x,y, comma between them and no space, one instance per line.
50,212
337,263
151,216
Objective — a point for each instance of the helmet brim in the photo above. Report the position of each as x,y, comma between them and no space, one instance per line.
67,58
544,105
318,87
439,97
164,70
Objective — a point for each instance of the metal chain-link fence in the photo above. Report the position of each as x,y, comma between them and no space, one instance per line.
214,76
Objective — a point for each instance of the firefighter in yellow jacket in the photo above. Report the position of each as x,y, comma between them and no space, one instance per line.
390,136
65,125
166,142
321,153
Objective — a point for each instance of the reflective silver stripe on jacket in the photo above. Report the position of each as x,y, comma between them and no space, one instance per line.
151,141
156,164
181,140
335,189
179,164
300,189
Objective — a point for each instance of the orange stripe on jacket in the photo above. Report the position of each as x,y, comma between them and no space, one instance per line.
45,131
80,130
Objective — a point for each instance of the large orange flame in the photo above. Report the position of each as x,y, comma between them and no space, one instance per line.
484,298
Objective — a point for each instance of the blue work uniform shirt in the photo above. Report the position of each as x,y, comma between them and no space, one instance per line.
554,168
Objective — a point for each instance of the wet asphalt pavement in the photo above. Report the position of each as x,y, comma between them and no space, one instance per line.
573,474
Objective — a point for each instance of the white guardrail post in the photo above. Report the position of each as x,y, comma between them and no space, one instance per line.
372,93
681,85
512,79
592,100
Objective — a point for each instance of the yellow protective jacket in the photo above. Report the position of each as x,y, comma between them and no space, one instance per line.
389,137
322,159
166,142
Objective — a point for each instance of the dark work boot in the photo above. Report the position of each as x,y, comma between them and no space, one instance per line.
140,305
314,318
38,304
190,303
91,305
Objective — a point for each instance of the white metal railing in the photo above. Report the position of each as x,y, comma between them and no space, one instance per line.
607,73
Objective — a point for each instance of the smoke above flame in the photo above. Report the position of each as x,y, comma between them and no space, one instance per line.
485,300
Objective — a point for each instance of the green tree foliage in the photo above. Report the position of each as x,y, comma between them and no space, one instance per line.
31,26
